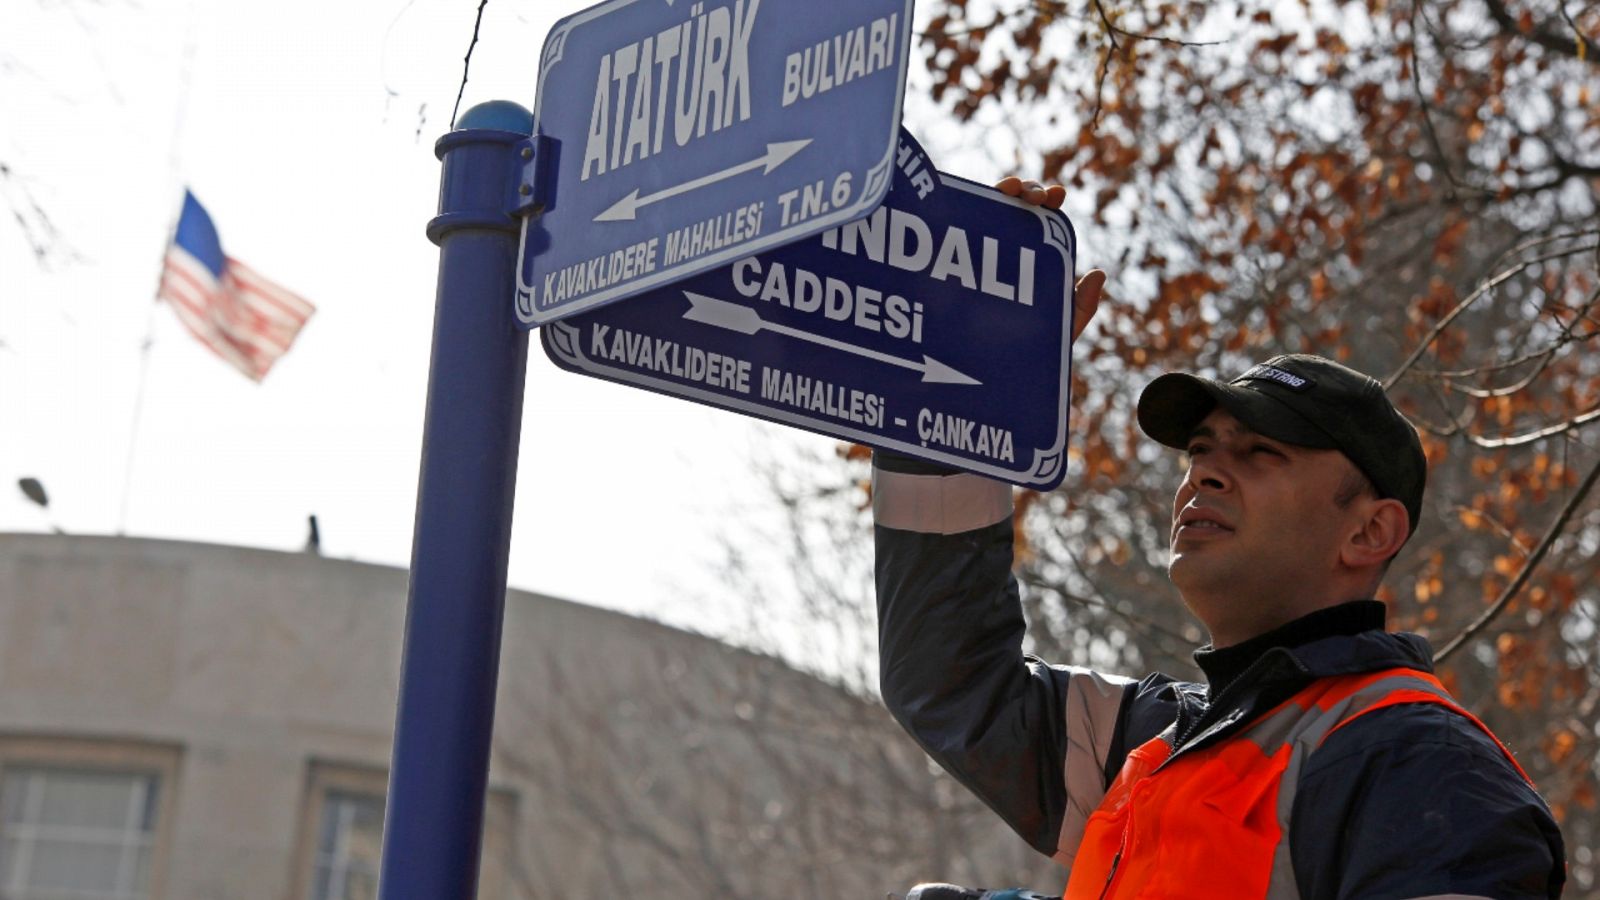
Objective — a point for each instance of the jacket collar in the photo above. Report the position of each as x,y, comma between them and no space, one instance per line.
1339,640
1250,678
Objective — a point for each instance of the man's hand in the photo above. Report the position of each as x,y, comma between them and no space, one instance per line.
1033,192
1086,299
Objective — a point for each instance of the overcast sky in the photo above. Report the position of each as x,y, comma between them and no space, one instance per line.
306,128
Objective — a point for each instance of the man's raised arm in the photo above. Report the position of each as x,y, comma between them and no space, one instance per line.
1031,740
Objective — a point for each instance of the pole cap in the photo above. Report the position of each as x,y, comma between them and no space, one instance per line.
498,115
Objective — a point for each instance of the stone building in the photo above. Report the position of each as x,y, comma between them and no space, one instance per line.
193,721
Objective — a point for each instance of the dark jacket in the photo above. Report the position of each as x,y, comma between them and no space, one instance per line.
1409,801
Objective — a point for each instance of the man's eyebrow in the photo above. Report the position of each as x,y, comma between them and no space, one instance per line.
1243,430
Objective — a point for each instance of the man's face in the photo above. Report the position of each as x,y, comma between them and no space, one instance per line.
1255,528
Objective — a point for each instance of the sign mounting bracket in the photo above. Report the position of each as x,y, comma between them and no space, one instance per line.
537,155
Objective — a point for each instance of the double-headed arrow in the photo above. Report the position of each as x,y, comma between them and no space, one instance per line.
743,319
777,154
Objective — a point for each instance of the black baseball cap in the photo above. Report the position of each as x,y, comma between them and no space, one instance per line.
1307,401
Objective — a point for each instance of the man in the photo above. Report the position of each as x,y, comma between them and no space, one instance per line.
1320,760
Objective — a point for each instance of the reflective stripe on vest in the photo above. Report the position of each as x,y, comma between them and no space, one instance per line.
1215,822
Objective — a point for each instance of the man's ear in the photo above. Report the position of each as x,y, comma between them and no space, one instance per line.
1384,529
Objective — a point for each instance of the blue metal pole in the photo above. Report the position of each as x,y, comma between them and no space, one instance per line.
433,828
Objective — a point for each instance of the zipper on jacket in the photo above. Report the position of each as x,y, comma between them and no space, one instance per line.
1111,874
1182,742
1122,846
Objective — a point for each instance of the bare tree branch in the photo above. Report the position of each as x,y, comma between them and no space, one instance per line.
1529,437
1528,566
1425,106
1550,39
1112,29
1482,290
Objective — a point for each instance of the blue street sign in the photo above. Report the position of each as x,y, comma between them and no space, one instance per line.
682,136
939,326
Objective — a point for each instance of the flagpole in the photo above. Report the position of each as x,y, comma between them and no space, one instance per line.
138,406
174,165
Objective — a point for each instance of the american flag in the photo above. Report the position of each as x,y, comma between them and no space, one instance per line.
244,318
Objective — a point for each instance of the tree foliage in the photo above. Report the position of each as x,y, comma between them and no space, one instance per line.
1408,187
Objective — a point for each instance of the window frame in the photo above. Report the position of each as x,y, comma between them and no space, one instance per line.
113,756
324,776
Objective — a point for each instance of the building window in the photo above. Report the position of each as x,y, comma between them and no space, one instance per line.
76,834
349,839
341,835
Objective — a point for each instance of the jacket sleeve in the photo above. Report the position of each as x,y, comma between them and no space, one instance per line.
1030,740
1415,801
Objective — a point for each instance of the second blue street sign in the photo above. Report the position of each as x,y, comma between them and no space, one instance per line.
938,326
681,136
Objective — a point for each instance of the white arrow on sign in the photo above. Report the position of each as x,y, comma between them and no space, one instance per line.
777,154
743,319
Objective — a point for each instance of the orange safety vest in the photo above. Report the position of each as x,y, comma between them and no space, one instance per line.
1215,823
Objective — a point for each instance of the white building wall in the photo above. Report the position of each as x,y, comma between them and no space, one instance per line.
629,757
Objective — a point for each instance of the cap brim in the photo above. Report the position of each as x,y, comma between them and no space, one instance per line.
1175,404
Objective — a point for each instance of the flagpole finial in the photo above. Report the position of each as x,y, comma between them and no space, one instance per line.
499,115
